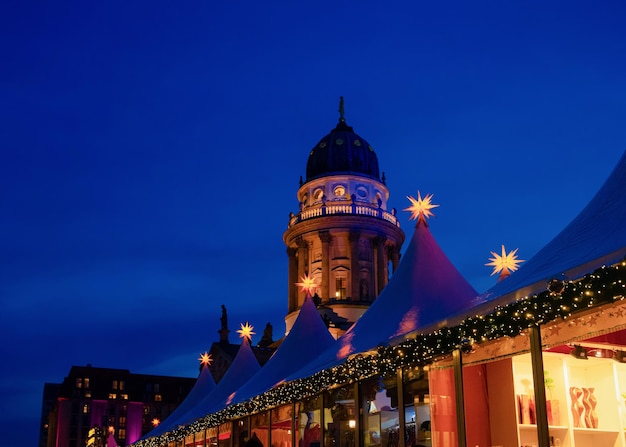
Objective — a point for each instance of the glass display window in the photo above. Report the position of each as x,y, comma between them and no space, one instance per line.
309,422
340,417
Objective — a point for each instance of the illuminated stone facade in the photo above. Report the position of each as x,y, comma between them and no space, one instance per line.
343,235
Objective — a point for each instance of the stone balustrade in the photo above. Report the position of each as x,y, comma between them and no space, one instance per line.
344,208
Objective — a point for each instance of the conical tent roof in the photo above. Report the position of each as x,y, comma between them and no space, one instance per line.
244,366
308,337
204,386
425,289
595,237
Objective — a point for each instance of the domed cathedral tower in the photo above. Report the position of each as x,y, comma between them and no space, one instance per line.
343,237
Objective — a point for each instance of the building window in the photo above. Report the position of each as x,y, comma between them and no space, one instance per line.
87,393
112,396
156,387
114,385
124,396
318,194
157,398
85,408
146,409
122,384
79,382
121,433
122,421
340,288
86,382
339,191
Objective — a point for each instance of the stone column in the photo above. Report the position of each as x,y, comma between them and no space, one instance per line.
326,239
292,278
381,263
371,271
354,238
303,249
394,254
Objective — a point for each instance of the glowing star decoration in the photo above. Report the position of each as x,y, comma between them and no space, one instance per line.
504,263
155,422
206,359
246,331
421,208
307,284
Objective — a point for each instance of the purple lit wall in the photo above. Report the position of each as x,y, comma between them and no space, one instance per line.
98,417
98,413
134,421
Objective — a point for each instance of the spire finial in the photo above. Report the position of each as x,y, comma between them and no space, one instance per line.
505,264
246,331
341,117
421,208
307,284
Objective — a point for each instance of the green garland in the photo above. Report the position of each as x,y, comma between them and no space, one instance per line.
605,285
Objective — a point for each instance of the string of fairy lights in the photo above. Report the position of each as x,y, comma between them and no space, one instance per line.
560,300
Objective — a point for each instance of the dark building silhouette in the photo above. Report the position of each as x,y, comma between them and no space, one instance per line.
116,402
223,352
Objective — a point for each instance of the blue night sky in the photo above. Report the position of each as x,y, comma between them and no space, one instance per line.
151,152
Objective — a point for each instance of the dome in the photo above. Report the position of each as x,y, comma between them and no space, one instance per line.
342,152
